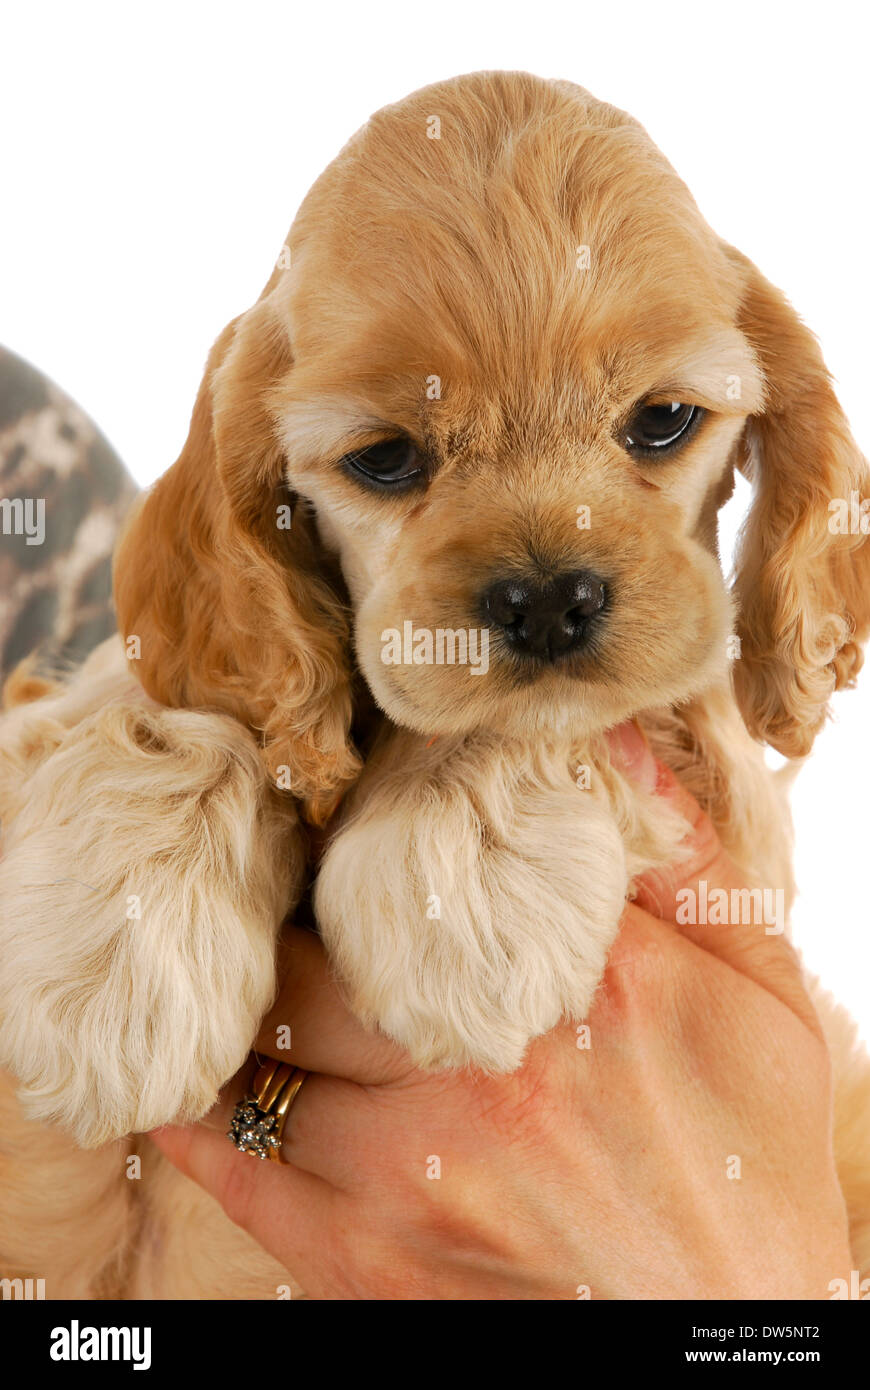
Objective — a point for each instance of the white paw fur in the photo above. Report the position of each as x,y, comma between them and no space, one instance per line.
471,897
143,877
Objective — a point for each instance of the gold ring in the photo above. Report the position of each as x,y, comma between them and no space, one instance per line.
257,1126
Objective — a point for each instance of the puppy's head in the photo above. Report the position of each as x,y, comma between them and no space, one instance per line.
479,425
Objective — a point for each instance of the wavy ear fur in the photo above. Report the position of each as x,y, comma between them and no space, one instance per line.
803,589
232,612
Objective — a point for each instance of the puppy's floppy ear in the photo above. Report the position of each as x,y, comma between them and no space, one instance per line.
232,612
803,590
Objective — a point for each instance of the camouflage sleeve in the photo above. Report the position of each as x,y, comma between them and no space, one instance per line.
63,494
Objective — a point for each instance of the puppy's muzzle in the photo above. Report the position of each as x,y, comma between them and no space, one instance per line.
545,620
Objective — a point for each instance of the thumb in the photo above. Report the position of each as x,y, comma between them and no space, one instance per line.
702,856
749,940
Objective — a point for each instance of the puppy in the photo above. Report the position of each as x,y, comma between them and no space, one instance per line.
446,514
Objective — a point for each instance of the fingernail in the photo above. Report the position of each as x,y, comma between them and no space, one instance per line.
632,755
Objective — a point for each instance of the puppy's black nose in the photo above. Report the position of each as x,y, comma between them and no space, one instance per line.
545,619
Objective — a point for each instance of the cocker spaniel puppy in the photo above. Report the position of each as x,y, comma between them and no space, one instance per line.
446,514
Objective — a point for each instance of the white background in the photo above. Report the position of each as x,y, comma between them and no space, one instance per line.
154,156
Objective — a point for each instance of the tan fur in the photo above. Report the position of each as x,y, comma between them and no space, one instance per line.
803,592
471,889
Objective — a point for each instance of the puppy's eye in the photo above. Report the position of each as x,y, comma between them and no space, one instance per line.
389,462
660,427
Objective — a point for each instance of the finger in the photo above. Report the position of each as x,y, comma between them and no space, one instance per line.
709,900
310,1025
323,1116
324,1130
287,1211
705,869
631,752
701,855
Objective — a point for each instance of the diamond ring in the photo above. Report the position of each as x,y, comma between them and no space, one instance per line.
259,1118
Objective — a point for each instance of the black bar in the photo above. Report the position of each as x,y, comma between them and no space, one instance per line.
274,1338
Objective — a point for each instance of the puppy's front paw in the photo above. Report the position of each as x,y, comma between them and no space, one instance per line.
141,886
464,938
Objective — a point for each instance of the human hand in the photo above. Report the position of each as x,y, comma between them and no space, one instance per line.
685,1153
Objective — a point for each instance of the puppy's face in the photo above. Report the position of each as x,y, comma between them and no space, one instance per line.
507,371
514,413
